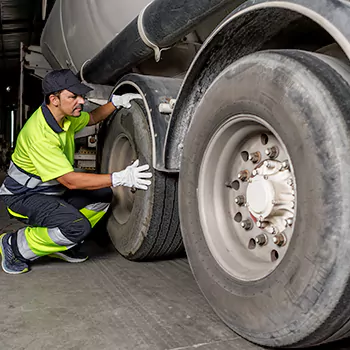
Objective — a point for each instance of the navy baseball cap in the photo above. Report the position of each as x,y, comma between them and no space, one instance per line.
63,79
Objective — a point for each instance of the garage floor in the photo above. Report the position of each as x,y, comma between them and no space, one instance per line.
109,303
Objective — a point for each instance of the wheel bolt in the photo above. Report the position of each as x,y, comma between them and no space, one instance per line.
247,224
280,239
261,239
271,229
289,222
240,200
272,152
254,157
290,182
285,165
268,164
243,175
261,224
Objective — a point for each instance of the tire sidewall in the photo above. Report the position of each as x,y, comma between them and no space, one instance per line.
275,87
129,237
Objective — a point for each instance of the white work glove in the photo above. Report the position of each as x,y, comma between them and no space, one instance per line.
124,100
132,176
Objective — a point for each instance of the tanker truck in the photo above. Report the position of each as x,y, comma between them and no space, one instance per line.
244,118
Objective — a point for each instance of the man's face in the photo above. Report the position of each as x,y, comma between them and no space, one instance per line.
69,103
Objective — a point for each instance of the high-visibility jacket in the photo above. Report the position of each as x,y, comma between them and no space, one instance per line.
44,151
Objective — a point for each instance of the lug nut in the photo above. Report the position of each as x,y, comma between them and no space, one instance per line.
261,239
272,152
290,182
285,165
261,224
280,239
254,172
243,175
271,229
255,157
268,164
247,224
240,200
289,222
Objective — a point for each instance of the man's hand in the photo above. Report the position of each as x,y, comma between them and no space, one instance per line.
132,176
124,100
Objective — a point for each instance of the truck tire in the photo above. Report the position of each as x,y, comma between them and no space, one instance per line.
142,225
267,234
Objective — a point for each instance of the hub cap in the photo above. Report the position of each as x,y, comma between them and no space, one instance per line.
246,197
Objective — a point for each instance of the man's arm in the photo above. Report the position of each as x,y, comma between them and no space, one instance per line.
85,181
101,113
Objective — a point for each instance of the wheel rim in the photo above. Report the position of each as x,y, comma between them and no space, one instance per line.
247,197
122,155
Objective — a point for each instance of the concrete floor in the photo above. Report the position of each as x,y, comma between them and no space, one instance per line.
109,303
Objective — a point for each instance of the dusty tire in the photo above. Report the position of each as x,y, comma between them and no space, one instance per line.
144,225
304,301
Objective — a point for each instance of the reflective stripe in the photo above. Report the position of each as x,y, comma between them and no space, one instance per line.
60,193
93,216
40,243
11,186
16,214
17,175
28,180
50,183
94,212
57,237
98,207
23,246
5,191
32,182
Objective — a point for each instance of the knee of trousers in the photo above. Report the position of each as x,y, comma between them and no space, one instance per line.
77,230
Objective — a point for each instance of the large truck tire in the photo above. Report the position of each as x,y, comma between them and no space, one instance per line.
143,225
267,234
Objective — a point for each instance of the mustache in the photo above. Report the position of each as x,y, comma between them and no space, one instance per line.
81,106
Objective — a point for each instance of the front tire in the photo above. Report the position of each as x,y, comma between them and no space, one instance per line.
142,225
300,296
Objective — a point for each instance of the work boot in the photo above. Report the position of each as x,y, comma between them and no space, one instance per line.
9,262
73,255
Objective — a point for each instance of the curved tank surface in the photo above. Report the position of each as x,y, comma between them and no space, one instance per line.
77,30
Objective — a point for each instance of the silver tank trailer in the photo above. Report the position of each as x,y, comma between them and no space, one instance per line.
77,30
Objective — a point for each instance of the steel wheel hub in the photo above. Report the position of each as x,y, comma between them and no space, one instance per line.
260,196
246,197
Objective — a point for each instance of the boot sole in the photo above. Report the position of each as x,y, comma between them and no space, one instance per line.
67,259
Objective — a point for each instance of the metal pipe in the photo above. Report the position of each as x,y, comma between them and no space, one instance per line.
160,25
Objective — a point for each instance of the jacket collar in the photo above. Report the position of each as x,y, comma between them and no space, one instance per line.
50,119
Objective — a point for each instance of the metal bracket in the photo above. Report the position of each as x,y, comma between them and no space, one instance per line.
34,60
